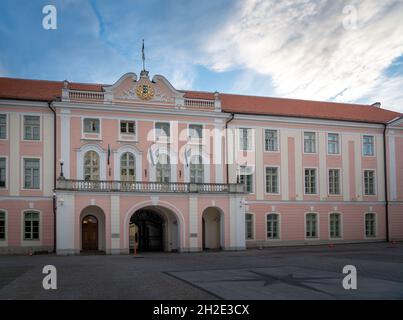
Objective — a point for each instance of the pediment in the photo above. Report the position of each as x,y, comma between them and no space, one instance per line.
129,88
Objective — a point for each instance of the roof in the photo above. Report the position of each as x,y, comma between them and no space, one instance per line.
40,90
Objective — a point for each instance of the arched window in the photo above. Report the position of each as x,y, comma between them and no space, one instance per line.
272,226
196,170
127,167
163,169
91,166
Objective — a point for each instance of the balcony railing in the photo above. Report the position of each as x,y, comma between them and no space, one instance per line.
146,187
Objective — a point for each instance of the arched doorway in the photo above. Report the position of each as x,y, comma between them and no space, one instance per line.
212,225
92,224
90,233
153,229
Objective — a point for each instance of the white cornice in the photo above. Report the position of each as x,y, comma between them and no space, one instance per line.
23,103
310,121
187,112
143,109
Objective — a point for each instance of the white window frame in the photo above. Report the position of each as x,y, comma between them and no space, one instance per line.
253,227
341,225
191,163
252,144
317,226
375,183
83,133
238,174
316,141
7,126
278,180
193,140
135,135
278,140
23,173
316,181
99,165
373,145
376,225
23,127
278,238
158,139
7,174
31,243
340,183
135,169
338,143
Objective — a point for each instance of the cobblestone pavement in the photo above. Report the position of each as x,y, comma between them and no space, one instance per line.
313,272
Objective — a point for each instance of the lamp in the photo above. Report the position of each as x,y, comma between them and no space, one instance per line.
61,169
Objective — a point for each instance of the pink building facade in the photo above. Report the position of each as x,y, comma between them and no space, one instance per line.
89,167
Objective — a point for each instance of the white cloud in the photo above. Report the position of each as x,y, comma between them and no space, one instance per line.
305,50
389,92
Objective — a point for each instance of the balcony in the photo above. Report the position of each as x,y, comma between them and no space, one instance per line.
146,187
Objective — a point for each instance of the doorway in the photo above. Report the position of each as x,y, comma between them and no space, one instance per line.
90,233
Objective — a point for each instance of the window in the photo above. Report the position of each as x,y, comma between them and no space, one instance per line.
271,180
196,170
32,127
270,140
163,168
162,129
127,167
333,143
334,181
91,125
91,166
368,145
3,172
31,226
369,182
195,131
310,181
249,226
334,225
127,127
311,225
370,225
3,126
272,226
2,225
245,177
309,142
31,173
245,139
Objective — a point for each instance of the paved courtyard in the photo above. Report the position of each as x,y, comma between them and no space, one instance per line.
313,272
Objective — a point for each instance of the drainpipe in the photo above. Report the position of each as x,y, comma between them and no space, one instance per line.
54,174
226,143
385,168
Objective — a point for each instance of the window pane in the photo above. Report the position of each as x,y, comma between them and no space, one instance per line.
3,126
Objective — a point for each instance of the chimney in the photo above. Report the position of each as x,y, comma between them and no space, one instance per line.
376,104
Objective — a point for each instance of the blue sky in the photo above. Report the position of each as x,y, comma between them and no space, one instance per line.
349,51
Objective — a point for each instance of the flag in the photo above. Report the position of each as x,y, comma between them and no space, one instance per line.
109,153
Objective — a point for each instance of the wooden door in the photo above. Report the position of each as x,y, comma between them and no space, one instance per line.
90,233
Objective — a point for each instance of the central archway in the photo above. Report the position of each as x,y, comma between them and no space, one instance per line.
153,229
